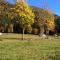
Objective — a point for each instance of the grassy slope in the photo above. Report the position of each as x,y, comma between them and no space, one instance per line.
35,49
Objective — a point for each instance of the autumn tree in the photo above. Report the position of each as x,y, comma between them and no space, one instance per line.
3,10
50,21
22,14
44,19
10,19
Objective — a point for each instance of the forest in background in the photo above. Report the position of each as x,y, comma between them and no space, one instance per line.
21,18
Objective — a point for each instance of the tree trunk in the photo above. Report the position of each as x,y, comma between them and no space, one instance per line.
8,30
46,30
2,30
11,27
41,30
23,34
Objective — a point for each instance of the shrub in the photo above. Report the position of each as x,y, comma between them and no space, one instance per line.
28,29
35,31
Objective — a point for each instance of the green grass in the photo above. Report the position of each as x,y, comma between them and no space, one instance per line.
34,49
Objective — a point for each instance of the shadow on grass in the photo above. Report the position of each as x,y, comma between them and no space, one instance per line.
2,38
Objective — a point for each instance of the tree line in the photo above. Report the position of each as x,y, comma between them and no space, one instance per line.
21,18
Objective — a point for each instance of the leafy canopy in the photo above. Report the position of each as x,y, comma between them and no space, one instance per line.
23,14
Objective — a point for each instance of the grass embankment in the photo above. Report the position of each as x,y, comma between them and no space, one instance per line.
12,48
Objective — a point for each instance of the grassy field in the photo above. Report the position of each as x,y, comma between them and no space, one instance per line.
35,48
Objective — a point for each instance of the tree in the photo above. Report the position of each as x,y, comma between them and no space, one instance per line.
57,24
44,19
49,23
3,10
22,14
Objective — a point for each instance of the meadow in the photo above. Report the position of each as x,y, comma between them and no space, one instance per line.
34,48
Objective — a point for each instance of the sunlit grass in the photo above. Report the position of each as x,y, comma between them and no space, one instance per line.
35,49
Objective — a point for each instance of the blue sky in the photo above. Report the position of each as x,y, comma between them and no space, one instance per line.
53,5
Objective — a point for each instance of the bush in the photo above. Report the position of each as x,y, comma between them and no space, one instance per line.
28,29
35,31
